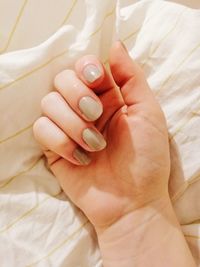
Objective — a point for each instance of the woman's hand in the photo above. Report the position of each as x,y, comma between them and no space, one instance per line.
107,146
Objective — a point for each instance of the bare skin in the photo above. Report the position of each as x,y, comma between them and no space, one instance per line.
122,184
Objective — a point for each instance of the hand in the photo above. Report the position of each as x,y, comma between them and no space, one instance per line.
132,170
121,186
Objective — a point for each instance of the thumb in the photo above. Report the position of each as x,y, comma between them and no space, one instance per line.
128,75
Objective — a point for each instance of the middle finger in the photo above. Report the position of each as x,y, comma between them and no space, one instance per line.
84,133
81,99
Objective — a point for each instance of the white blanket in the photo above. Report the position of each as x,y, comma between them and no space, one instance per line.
39,226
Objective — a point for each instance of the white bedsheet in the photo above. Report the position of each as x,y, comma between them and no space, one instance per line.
38,225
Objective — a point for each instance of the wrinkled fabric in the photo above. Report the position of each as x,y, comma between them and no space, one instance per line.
39,226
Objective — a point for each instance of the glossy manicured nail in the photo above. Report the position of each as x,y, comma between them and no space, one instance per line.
90,108
81,156
91,73
93,139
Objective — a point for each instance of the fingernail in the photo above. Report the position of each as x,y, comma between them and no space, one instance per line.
90,108
91,73
93,139
81,156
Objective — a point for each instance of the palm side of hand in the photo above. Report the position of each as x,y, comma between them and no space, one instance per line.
130,172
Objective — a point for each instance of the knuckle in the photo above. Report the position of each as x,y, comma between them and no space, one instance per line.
63,146
62,78
62,143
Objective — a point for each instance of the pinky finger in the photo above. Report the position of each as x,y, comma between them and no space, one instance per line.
54,141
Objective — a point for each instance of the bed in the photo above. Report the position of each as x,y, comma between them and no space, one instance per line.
39,226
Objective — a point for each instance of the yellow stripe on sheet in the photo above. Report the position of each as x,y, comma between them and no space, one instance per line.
69,13
185,186
196,113
192,236
179,192
163,39
20,15
26,214
14,27
170,77
9,180
33,70
101,26
132,34
69,238
16,134
191,116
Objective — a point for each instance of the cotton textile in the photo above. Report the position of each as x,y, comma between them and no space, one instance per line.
39,226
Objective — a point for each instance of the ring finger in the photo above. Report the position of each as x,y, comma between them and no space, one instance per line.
58,144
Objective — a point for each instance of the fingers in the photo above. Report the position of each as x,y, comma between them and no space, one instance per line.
69,115
86,99
52,137
93,73
83,133
80,98
128,76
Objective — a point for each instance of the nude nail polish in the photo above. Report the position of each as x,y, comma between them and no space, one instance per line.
90,108
81,156
93,139
91,73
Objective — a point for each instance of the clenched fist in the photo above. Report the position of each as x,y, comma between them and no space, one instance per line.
105,138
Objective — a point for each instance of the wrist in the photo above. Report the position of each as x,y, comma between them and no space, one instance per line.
140,236
125,238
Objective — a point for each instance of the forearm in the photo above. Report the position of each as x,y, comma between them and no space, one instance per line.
149,237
